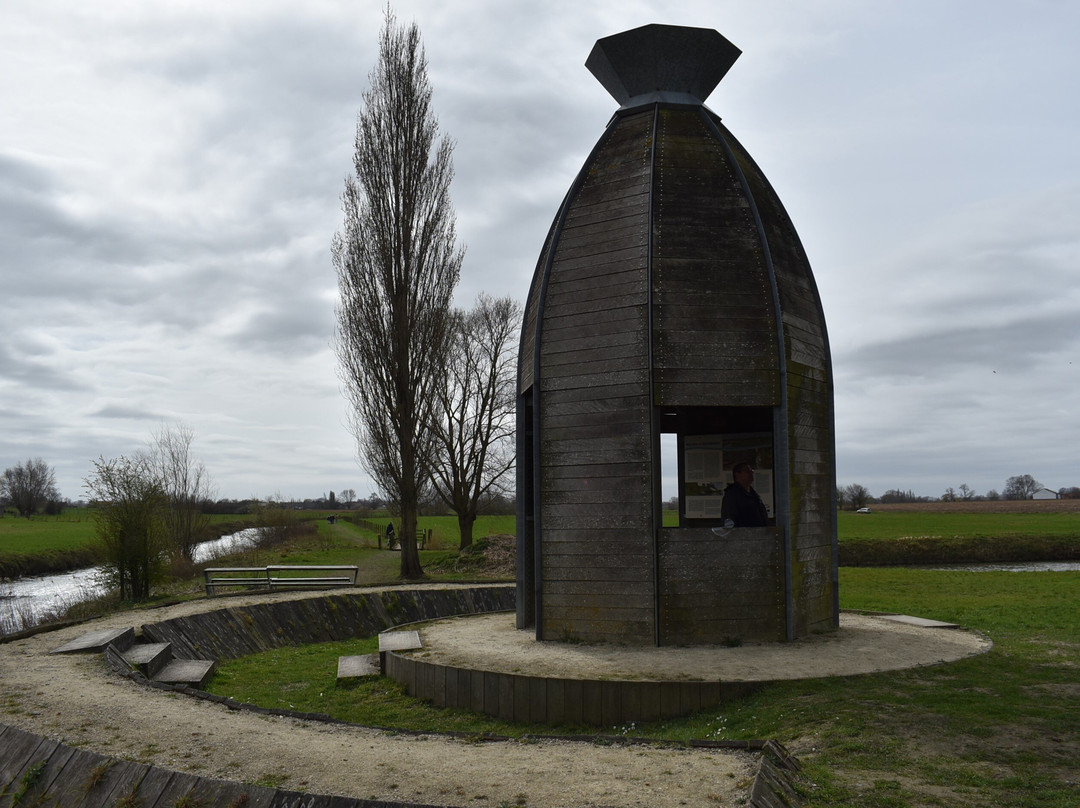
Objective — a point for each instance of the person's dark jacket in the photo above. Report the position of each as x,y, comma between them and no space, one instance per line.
743,507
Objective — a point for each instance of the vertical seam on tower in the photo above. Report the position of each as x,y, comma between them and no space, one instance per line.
654,439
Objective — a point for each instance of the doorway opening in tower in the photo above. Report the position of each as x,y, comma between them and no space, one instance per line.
700,448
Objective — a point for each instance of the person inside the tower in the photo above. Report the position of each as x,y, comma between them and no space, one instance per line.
741,504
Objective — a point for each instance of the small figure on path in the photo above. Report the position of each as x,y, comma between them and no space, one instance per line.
390,536
741,504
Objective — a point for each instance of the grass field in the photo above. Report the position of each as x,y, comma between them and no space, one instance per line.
47,543
70,530
892,534
1001,729
897,524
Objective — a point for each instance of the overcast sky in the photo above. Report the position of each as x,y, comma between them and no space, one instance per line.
170,180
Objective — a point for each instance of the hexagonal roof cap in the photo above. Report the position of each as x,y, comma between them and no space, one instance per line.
670,63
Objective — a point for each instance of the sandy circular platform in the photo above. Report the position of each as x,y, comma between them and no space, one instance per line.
863,644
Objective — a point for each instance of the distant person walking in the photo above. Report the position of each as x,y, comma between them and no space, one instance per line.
741,504
390,536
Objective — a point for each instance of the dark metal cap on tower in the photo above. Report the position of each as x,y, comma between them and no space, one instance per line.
669,63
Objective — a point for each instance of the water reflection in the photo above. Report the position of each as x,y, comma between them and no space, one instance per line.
27,601
1016,566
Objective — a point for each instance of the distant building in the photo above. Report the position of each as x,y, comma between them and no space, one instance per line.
1045,493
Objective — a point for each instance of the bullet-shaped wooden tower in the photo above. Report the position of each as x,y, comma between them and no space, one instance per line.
672,297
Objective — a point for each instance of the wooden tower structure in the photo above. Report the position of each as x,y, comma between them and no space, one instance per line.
672,306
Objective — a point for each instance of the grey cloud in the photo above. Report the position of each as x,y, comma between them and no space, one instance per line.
1003,347
126,411
293,330
30,367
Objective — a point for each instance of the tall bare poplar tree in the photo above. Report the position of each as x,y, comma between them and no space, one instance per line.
397,264
476,428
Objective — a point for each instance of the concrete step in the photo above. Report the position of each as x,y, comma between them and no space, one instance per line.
150,657
354,667
193,672
96,641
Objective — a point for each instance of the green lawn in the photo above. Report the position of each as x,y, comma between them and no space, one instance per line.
1000,729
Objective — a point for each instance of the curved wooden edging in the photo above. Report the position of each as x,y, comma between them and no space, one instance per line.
550,700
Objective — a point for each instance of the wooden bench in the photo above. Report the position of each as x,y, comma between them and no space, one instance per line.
280,577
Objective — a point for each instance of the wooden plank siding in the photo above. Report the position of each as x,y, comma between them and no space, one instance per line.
714,330
721,589
595,444
811,448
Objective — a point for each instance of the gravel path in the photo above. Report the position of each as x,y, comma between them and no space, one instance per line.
76,699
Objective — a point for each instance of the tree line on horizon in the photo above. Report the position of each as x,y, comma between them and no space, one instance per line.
1018,487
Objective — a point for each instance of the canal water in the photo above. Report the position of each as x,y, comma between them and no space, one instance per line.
1016,566
24,602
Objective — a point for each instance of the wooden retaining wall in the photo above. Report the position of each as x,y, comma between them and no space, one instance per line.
237,631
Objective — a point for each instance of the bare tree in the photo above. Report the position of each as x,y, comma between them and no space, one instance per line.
476,409
1021,486
186,484
129,505
29,486
397,264
856,495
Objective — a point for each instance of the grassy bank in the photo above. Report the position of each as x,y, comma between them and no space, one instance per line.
895,524
44,544
960,533
999,729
